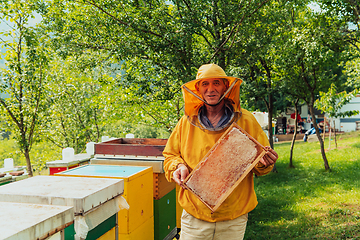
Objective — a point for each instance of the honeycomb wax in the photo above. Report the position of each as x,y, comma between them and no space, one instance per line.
220,170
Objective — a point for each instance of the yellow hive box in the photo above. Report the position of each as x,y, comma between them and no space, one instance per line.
145,231
138,192
109,235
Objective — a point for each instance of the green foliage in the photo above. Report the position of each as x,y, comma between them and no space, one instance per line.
307,202
314,50
143,131
10,149
346,9
41,153
82,100
332,102
121,128
160,44
25,77
352,71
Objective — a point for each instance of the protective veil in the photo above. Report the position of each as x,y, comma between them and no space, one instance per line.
193,100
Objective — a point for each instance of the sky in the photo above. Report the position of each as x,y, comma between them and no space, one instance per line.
314,6
4,25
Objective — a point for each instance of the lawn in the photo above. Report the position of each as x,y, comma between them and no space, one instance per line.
307,202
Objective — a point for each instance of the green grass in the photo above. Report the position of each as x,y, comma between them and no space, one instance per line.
307,202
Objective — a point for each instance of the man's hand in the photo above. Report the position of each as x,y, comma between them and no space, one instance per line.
180,174
270,157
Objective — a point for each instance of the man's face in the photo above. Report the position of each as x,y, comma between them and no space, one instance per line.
211,90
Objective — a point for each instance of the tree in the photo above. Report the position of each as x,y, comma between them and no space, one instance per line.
332,103
312,60
25,77
349,11
263,38
82,100
259,46
144,102
161,43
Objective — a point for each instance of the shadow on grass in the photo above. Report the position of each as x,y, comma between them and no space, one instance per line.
356,145
283,197
275,193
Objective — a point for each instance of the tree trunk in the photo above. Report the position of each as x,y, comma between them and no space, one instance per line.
311,107
335,135
28,162
329,134
270,131
294,136
269,105
324,128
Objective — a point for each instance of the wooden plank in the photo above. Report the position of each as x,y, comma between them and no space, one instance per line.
161,185
229,155
129,149
137,141
132,146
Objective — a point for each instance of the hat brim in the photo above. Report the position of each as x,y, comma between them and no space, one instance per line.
192,84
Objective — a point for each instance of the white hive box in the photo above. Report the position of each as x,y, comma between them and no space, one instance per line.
226,164
33,221
65,164
92,198
156,162
78,159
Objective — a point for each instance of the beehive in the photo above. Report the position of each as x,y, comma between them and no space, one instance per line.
138,192
93,199
27,221
165,216
226,164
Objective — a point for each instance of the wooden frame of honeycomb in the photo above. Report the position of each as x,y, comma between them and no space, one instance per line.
236,153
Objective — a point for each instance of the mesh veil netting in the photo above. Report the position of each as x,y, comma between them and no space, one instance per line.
193,101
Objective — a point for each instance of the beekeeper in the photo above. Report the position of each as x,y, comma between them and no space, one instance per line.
211,105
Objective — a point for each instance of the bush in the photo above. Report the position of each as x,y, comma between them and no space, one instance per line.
40,153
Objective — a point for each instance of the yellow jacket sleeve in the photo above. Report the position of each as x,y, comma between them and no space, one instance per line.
172,153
